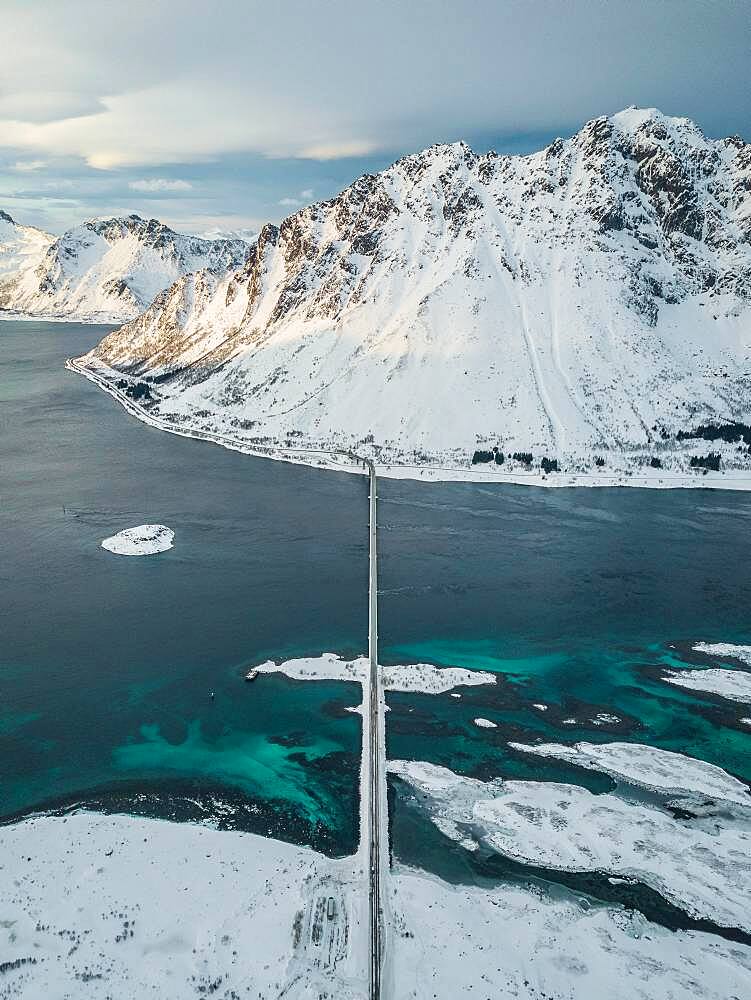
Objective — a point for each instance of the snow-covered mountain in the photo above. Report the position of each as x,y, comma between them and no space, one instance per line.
593,298
21,249
110,270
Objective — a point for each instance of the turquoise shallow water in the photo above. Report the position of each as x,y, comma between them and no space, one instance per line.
576,685
575,599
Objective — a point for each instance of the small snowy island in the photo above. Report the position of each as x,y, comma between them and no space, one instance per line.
143,540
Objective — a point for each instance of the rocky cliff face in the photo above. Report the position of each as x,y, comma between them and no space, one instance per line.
110,270
592,297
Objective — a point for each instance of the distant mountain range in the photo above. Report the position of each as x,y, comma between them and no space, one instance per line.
589,300
106,270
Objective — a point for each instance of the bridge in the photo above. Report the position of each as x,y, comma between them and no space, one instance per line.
375,906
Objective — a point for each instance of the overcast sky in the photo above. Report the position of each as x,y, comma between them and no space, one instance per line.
228,114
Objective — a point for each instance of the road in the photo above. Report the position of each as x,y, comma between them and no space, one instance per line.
375,910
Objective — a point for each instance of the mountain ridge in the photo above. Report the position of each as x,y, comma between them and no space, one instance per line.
108,270
460,301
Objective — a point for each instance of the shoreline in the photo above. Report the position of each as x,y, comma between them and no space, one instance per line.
733,479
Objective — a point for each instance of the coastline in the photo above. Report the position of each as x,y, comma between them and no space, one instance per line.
659,479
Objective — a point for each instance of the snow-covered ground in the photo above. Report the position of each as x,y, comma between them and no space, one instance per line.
123,907
700,865
517,943
649,767
143,540
21,250
485,723
725,650
335,458
417,677
735,685
119,907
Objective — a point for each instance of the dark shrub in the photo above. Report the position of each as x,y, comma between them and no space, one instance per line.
710,461
655,462
139,391
499,458
599,461
719,432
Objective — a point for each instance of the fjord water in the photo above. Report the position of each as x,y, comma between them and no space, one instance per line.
576,599
109,663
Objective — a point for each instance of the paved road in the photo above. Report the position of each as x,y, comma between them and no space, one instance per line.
375,910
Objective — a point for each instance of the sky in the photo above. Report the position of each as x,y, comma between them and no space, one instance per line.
229,114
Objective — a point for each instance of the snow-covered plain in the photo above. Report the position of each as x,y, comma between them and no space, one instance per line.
517,943
458,302
121,907
143,540
700,865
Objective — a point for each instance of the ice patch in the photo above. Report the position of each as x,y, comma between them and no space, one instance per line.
700,866
485,724
742,653
735,685
605,719
649,767
143,540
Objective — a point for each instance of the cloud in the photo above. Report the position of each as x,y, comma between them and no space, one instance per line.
178,85
25,166
156,184
303,198
47,106
345,148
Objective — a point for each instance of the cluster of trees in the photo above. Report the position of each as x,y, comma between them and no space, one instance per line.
719,432
138,391
710,461
655,462
482,456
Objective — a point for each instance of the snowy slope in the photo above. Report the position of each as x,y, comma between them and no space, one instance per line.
590,299
110,270
22,249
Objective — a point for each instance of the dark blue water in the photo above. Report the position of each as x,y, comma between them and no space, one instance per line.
575,598
107,662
